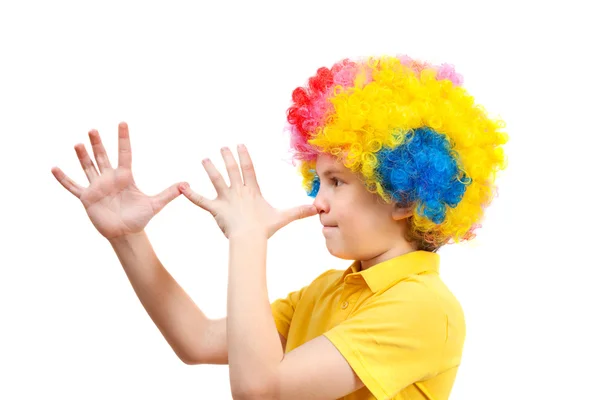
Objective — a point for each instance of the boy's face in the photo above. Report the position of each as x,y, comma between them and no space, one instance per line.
358,225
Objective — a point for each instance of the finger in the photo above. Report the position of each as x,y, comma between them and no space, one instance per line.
86,162
99,151
165,197
248,173
232,167
197,199
67,183
124,146
215,176
297,213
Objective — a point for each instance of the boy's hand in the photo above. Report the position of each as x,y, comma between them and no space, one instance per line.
240,207
113,202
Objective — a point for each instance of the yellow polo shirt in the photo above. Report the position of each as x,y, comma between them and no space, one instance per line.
396,323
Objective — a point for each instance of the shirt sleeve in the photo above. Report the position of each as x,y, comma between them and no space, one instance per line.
283,309
392,342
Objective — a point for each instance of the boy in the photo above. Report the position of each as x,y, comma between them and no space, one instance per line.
400,162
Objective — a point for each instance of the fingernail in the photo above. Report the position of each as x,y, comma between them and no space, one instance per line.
184,186
223,148
241,147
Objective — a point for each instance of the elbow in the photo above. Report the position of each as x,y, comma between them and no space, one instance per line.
253,395
188,359
256,392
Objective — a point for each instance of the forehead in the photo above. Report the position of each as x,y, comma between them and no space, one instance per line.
329,163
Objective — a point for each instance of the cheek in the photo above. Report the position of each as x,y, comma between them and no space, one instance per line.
355,222
345,214
362,222
350,211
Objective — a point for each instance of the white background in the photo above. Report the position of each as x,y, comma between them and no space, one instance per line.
190,78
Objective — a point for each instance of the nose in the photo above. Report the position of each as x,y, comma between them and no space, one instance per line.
321,203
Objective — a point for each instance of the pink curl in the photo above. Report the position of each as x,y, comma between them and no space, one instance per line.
444,71
345,71
447,71
303,151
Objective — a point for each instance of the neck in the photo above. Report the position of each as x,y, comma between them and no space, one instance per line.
394,252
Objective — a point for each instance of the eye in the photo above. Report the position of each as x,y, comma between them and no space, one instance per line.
336,182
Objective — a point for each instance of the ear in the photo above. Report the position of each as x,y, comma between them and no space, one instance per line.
401,211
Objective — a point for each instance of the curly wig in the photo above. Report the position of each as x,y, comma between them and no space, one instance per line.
412,132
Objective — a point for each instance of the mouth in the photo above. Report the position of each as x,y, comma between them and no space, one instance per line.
328,228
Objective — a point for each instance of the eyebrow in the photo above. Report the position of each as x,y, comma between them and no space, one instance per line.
330,172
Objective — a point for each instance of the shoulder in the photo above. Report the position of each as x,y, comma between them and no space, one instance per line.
425,291
421,306
427,307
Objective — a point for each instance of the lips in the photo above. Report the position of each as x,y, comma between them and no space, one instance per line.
328,225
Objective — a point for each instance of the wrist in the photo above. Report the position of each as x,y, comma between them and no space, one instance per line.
127,239
248,234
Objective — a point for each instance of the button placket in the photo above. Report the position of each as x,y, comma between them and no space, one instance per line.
349,290
346,299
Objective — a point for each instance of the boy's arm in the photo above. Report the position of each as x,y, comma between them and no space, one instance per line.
120,211
215,340
195,338
175,314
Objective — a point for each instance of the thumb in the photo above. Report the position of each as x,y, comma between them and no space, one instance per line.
296,213
160,200
197,199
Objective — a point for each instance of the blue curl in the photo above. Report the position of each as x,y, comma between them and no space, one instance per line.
316,183
423,170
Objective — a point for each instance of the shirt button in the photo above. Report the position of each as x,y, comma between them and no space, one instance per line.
344,305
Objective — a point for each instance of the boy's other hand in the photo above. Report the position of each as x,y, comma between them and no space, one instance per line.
240,208
113,202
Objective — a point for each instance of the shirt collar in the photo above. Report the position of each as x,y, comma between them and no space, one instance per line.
387,273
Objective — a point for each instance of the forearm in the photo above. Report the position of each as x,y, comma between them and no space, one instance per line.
175,314
253,341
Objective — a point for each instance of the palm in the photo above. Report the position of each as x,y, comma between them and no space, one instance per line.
116,206
113,202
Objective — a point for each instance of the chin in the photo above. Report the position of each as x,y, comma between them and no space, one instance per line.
340,253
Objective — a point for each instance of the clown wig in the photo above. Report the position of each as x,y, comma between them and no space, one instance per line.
413,134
